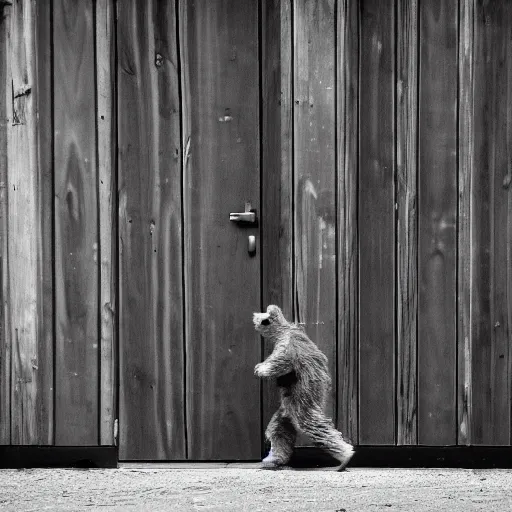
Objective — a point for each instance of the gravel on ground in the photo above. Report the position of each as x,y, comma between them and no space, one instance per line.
248,488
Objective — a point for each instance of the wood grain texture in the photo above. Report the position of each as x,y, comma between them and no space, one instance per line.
151,408
43,89
5,340
465,172
76,225
221,137
407,229
508,150
437,224
29,226
490,303
314,176
347,58
107,194
377,224
277,182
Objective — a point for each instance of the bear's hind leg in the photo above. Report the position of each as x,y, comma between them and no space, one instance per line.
323,434
282,435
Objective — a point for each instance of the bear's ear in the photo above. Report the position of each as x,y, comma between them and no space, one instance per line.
265,321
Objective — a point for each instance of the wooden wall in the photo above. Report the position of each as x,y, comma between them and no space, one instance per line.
381,150
430,128
57,374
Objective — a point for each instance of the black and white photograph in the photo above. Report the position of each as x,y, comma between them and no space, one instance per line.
256,255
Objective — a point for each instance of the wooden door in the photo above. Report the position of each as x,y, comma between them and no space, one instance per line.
222,280
189,150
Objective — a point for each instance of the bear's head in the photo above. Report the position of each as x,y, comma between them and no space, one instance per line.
266,323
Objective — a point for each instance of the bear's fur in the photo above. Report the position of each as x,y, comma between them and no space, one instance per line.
302,376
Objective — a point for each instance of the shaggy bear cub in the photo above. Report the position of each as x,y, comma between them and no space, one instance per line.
302,376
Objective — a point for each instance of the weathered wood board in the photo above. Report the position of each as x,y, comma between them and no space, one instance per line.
490,226
377,224
437,227
76,225
151,328
347,64
407,220
221,174
29,329
107,197
465,170
5,316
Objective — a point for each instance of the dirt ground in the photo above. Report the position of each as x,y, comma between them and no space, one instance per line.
247,488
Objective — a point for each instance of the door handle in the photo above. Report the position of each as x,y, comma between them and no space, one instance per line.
244,217
247,217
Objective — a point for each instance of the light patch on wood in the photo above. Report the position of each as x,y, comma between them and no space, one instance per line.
466,65
407,236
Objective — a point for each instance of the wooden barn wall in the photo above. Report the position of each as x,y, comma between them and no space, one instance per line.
382,152
58,203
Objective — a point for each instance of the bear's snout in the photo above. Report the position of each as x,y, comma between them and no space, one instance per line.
257,318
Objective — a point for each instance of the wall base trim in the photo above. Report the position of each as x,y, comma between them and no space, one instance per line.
24,456
471,457
474,457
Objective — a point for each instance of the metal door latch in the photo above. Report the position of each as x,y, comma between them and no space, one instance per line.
251,245
247,217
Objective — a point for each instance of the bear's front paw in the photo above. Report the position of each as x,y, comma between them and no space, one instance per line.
260,370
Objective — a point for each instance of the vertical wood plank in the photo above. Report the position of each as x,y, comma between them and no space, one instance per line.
5,341
437,223
222,172
499,424
508,250
277,184
490,235
29,226
377,224
152,417
45,269
76,225
407,230
465,172
107,193
314,176
347,249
